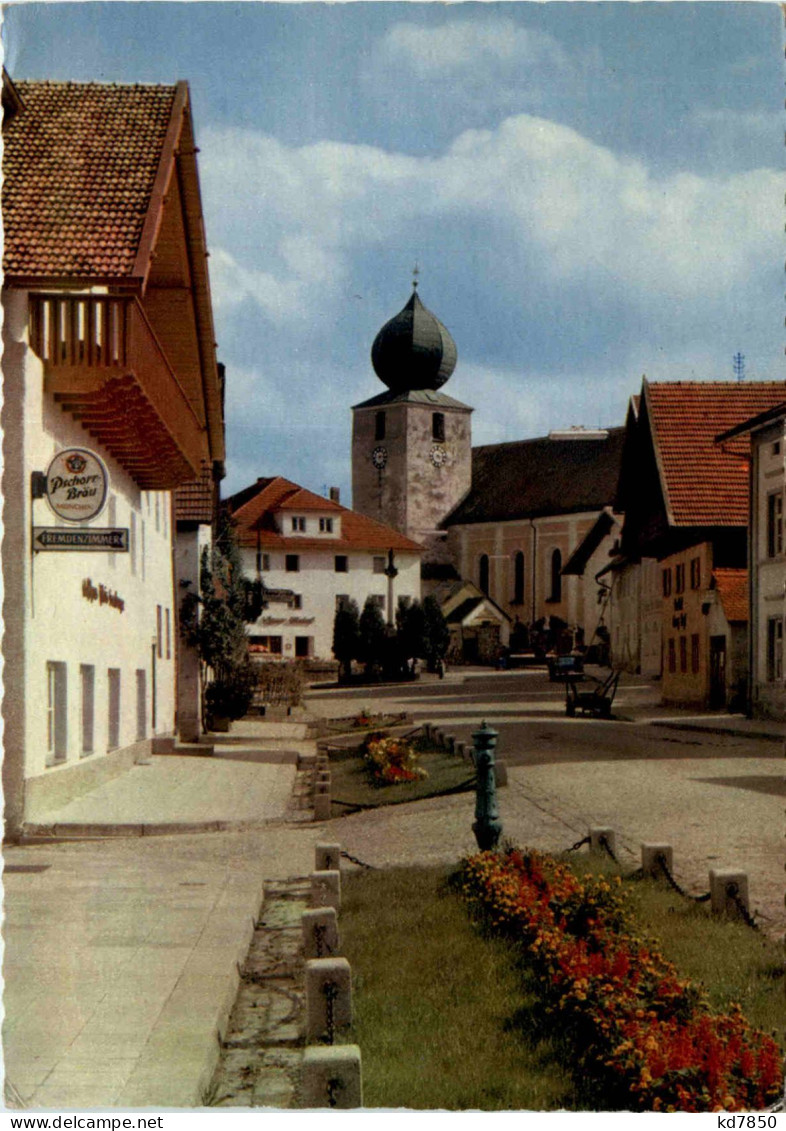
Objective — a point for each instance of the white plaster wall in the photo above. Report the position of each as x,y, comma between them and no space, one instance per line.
769,574
59,623
318,585
189,545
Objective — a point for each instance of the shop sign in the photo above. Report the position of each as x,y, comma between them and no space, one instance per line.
102,595
77,483
91,538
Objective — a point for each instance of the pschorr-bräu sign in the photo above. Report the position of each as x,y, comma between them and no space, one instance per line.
77,483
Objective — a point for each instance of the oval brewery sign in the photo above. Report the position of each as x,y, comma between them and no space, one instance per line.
77,482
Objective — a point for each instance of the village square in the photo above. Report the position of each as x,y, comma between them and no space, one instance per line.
497,701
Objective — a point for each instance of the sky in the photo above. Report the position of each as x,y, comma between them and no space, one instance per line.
591,192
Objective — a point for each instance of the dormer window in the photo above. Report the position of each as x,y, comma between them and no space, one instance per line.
326,526
298,524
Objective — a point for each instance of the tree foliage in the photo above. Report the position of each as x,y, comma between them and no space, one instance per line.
436,634
346,635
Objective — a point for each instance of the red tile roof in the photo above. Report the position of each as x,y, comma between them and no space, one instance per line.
254,508
194,501
705,483
732,585
79,167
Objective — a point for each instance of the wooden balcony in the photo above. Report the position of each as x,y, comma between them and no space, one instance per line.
105,366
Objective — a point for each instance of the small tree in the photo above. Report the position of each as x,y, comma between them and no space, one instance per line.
436,634
372,636
346,636
411,632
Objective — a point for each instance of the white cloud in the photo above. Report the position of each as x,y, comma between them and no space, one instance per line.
431,53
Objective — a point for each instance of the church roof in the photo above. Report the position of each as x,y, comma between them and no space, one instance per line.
413,350
414,396
253,513
544,476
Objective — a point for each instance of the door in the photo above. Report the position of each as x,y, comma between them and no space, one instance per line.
717,672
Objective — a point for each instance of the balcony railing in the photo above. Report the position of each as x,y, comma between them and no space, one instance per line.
104,364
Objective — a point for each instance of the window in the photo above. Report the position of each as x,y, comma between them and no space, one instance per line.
666,576
694,653
679,578
341,563
774,524
159,637
87,679
263,561
438,427
113,730
168,634
141,705
776,448
326,526
302,647
672,655
518,578
483,573
292,563
296,601
268,644
774,649
56,713
556,576
379,426
299,524
378,565
683,653
695,573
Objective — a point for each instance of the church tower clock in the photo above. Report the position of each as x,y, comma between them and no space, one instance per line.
412,445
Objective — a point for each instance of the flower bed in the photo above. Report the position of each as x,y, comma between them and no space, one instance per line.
391,760
643,1034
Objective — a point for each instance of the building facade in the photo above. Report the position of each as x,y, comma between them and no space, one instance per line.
310,553
106,354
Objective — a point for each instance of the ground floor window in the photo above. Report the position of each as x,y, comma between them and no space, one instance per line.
87,677
262,644
694,653
56,713
113,708
141,704
303,646
672,656
774,649
683,653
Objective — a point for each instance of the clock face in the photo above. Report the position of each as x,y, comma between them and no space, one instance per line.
439,456
379,457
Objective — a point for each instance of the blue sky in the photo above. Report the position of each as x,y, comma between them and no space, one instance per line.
592,191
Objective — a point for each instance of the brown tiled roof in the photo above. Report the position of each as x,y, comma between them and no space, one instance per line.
79,167
732,585
254,508
530,478
194,501
705,483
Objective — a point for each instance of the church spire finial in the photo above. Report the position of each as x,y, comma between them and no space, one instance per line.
415,273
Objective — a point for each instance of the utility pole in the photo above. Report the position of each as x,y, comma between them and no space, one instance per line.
739,367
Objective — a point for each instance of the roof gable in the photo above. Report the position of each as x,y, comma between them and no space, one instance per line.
80,165
705,483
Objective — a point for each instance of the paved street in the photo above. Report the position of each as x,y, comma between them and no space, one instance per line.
121,951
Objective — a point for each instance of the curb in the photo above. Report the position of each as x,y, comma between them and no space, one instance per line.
706,728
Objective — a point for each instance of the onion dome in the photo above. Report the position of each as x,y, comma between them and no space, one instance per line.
413,350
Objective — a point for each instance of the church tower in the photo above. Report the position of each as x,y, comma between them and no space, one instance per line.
412,445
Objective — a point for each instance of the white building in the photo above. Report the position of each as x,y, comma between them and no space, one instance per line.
767,560
310,552
108,349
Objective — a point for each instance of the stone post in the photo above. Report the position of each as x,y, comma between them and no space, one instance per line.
724,886
328,998
601,834
651,855
320,932
326,889
332,1077
327,857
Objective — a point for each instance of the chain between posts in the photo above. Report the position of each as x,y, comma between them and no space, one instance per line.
330,990
661,862
360,863
733,892
575,847
319,939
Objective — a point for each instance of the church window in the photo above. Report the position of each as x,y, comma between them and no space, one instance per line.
379,426
518,578
556,576
483,573
438,426
292,563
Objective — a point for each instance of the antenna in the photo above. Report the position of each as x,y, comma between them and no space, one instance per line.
739,367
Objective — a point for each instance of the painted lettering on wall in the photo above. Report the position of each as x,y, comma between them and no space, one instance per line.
102,595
